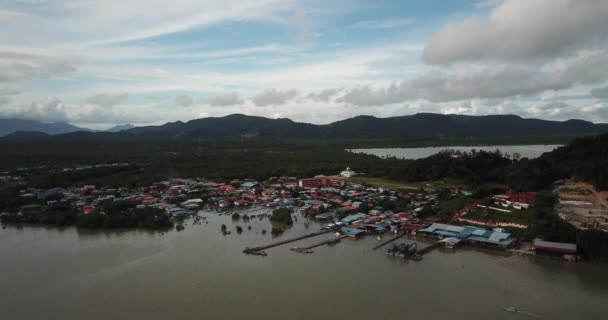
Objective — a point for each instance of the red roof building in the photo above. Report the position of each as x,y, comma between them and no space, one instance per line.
322,181
522,197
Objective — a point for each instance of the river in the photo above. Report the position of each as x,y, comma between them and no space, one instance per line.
50,273
525,151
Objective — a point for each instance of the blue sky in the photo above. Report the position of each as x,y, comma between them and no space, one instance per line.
100,63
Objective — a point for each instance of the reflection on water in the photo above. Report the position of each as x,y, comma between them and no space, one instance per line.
49,273
528,151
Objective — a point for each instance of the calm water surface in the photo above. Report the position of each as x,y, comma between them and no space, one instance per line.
47,273
529,151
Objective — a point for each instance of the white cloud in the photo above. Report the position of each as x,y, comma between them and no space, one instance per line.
8,15
486,80
488,3
482,65
16,66
600,93
47,109
107,99
225,99
121,21
9,92
183,100
519,29
4,100
273,97
384,23
53,109
597,112
6,94
324,95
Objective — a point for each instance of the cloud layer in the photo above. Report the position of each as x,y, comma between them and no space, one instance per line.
273,97
310,60
184,100
16,66
107,99
226,99
517,30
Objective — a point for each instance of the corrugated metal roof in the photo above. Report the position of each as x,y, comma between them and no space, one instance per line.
555,245
500,235
482,233
491,240
447,233
447,227
351,231
467,231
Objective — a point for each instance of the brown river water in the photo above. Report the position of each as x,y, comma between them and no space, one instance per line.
50,273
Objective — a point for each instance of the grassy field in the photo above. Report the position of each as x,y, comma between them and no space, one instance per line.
392,184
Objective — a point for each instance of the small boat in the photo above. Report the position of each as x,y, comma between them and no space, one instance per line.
511,309
405,250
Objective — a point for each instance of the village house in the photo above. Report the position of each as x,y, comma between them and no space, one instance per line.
322,181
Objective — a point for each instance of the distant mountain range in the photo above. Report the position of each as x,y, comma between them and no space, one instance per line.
365,127
120,127
9,126
238,126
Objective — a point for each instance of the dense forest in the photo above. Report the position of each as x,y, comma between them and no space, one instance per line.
583,159
111,215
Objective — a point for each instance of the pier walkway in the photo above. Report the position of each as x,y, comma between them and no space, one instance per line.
427,249
318,244
398,236
260,250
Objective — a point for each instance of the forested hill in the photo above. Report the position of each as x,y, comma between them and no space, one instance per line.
424,125
584,159
366,127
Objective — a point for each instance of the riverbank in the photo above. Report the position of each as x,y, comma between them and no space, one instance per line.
198,271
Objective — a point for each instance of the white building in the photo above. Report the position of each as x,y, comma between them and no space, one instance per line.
348,173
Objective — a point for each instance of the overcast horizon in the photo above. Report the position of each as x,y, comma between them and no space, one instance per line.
96,64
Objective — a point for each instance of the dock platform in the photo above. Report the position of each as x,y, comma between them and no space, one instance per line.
398,236
260,250
429,248
308,250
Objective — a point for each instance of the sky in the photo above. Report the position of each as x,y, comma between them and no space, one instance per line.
99,63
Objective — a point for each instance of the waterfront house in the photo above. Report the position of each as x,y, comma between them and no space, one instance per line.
353,218
352,232
469,234
539,245
241,202
252,187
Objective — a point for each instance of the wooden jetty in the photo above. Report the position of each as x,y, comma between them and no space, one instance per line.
260,250
318,244
398,236
428,248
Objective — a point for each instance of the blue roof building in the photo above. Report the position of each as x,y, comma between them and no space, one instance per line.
352,232
249,185
470,234
353,218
